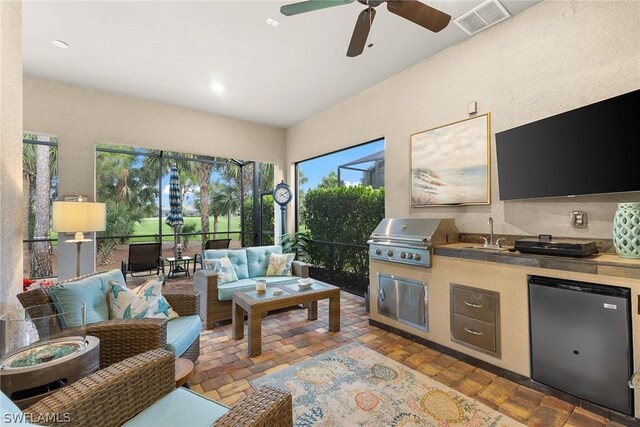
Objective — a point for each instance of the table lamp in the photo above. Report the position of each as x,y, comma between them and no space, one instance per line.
79,217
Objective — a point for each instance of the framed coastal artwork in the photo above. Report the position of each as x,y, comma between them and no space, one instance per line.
450,164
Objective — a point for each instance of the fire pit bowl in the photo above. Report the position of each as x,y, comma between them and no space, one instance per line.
40,334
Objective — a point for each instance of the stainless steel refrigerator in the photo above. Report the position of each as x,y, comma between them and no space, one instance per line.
581,340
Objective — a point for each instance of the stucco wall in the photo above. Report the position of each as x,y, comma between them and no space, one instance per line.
553,57
10,153
82,117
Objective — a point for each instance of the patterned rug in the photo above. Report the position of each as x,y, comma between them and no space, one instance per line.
355,386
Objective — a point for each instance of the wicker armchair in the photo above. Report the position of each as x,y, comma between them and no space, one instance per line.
205,282
123,338
114,395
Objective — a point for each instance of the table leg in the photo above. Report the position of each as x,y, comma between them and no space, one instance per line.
312,310
254,333
237,316
334,313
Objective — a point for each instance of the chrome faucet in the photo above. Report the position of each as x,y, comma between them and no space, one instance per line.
490,243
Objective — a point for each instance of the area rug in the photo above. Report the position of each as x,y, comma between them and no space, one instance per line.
355,386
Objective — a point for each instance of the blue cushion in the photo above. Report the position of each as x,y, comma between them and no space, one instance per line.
90,290
182,332
225,292
181,407
238,259
11,414
258,259
108,276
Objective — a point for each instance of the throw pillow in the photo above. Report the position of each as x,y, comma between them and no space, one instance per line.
280,264
224,268
145,301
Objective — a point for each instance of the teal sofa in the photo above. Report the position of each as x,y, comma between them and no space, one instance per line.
250,265
122,338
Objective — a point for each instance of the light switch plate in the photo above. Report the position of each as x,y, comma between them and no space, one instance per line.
579,219
473,107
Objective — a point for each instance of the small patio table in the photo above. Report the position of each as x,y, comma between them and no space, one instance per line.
256,305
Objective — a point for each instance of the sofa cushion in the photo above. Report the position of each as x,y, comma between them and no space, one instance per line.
225,292
145,301
181,407
280,264
90,290
182,332
258,259
223,267
238,258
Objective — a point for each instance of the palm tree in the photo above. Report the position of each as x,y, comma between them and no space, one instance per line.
227,198
39,172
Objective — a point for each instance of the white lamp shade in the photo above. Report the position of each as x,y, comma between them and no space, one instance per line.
74,217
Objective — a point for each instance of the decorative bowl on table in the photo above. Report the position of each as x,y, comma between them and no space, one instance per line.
304,284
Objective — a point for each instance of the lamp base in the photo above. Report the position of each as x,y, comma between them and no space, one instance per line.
78,243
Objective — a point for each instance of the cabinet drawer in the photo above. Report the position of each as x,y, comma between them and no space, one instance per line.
478,305
475,332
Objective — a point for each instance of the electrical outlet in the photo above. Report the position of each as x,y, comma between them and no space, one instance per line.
579,219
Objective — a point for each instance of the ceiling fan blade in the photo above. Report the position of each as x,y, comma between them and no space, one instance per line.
310,5
423,15
361,32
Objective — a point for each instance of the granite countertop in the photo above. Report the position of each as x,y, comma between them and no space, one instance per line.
606,264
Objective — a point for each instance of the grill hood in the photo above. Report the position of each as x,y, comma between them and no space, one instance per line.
421,232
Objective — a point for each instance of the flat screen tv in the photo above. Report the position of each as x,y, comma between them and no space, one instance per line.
591,150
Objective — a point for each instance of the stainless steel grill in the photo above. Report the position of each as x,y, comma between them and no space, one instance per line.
409,240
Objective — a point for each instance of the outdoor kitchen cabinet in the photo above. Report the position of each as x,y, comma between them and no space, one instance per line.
475,318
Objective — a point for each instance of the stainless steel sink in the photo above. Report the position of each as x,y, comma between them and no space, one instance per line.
483,248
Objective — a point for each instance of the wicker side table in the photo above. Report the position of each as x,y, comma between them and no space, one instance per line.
256,305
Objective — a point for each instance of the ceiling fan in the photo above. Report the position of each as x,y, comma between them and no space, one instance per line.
426,16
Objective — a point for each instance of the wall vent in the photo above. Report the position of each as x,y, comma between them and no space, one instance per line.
482,16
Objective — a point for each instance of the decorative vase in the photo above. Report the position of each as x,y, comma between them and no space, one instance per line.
626,230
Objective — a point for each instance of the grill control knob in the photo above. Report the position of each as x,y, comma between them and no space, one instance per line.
409,256
417,257
403,255
389,252
378,252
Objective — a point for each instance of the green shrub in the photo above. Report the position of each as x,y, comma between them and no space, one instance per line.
342,215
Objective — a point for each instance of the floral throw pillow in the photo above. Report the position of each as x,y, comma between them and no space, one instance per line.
223,267
280,264
145,301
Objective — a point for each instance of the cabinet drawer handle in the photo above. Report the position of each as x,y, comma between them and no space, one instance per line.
471,304
472,332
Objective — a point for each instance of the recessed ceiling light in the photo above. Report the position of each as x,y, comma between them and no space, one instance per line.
217,88
60,44
272,22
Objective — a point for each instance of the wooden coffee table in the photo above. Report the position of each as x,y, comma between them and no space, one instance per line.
257,305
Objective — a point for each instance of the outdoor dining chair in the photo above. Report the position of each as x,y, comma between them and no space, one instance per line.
143,258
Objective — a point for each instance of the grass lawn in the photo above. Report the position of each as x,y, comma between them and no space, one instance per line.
150,226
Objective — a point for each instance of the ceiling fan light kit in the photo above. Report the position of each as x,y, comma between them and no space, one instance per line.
412,10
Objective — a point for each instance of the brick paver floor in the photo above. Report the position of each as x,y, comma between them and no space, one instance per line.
224,370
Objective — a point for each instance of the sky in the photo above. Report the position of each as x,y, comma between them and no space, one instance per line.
317,168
